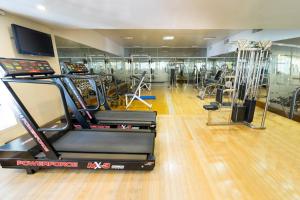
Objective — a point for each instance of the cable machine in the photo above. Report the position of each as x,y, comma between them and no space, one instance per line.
137,70
251,79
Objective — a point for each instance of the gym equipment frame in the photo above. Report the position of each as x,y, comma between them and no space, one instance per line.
252,63
62,146
135,64
136,95
107,118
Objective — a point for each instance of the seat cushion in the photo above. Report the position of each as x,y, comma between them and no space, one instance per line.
211,107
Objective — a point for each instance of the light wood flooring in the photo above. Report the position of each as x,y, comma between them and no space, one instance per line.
193,161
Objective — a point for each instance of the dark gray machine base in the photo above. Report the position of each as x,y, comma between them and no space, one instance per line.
127,116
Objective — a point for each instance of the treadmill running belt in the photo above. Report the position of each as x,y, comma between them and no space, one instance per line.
141,116
88,141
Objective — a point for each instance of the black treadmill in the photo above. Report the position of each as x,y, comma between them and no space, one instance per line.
113,119
62,146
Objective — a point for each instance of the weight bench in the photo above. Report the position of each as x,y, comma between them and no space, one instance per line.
136,95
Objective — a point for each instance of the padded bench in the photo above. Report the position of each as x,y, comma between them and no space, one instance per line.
211,107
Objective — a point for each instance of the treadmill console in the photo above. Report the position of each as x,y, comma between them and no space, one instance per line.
74,68
24,67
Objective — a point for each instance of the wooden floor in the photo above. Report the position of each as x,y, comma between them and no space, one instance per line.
193,161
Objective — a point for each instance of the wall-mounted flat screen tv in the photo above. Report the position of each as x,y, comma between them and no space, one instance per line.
29,41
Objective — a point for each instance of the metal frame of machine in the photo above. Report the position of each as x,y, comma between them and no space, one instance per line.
136,94
252,62
85,114
62,146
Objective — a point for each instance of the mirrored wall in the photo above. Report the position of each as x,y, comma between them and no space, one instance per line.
285,79
70,51
156,61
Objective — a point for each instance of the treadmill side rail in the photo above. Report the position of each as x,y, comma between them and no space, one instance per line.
66,147
32,165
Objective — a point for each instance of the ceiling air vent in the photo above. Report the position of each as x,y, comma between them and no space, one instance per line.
256,30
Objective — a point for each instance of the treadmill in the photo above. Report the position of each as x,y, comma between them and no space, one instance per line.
106,118
63,146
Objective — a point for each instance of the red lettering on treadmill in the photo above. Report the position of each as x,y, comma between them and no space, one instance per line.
106,165
34,133
96,165
46,164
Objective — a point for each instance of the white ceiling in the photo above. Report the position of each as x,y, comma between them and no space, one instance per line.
154,37
161,14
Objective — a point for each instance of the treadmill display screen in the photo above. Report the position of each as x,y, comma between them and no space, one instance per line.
74,68
22,67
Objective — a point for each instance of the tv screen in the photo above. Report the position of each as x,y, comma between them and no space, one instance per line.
32,42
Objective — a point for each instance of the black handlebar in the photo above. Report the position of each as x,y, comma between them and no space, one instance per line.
61,90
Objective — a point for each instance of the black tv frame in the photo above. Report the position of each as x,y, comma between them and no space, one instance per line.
22,51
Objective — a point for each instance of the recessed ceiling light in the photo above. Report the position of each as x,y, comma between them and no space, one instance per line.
169,37
41,7
163,46
209,38
128,38
136,46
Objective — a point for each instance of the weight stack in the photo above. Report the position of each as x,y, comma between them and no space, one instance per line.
242,91
219,95
250,109
238,113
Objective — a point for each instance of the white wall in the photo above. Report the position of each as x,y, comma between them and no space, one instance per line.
219,47
43,103
91,38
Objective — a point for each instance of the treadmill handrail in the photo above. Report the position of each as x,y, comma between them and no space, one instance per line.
93,83
32,81
90,78
83,76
